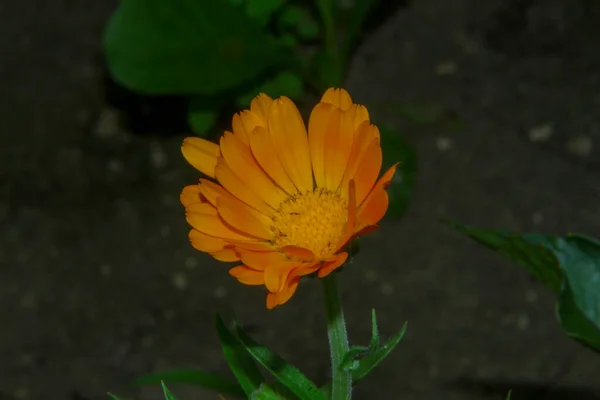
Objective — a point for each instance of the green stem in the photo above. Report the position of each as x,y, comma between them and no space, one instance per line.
334,76
338,340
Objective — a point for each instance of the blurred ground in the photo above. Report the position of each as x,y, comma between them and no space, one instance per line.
98,283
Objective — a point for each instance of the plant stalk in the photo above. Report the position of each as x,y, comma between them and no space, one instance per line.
338,340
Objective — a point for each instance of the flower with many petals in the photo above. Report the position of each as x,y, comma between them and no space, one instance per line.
283,202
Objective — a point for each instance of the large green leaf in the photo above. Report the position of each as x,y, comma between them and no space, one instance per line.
568,265
188,47
241,363
285,373
397,150
530,252
194,377
579,302
286,83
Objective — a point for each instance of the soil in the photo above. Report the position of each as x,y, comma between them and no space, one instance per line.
99,283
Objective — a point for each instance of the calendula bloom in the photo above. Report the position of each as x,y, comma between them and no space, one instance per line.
282,202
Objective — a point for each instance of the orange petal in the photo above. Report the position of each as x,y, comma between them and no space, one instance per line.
282,297
257,246
247,276
201,154
373,209
298,252
265,154
260,106
260,260
338,97
365,135
206,243
291,142
329,266
338,145
211,191
243,218
366,175
239,188
276,274
226,255
318,124
204,218
190,195
358,114
387,177
244,123
239,158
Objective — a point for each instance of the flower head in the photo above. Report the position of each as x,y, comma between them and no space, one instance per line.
282,202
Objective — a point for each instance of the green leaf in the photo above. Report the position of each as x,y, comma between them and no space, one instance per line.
355,19
376,356
114,397
284,84
188,47
167,392
579,302
264,392
530,252
200,119
262,10
569,266
193,377
508,395
397,150
326,390
240,362
299,20
288,375
350,362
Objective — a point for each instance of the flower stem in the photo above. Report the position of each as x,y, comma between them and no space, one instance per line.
338,340
333,70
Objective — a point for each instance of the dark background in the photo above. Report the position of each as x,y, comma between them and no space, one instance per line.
98,283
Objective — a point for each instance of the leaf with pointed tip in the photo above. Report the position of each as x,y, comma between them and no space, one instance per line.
240,362
288,375
114,396
167,392
376,356
264,392
570,266
193,377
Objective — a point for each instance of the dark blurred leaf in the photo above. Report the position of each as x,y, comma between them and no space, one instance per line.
262,10
240,362
167,393
396,149
188,47
569,266
284,372
200,119
299,20
284,84
355,19
193,377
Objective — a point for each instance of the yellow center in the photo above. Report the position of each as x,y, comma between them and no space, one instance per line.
312,220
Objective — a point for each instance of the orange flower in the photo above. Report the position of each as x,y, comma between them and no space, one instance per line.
283,202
